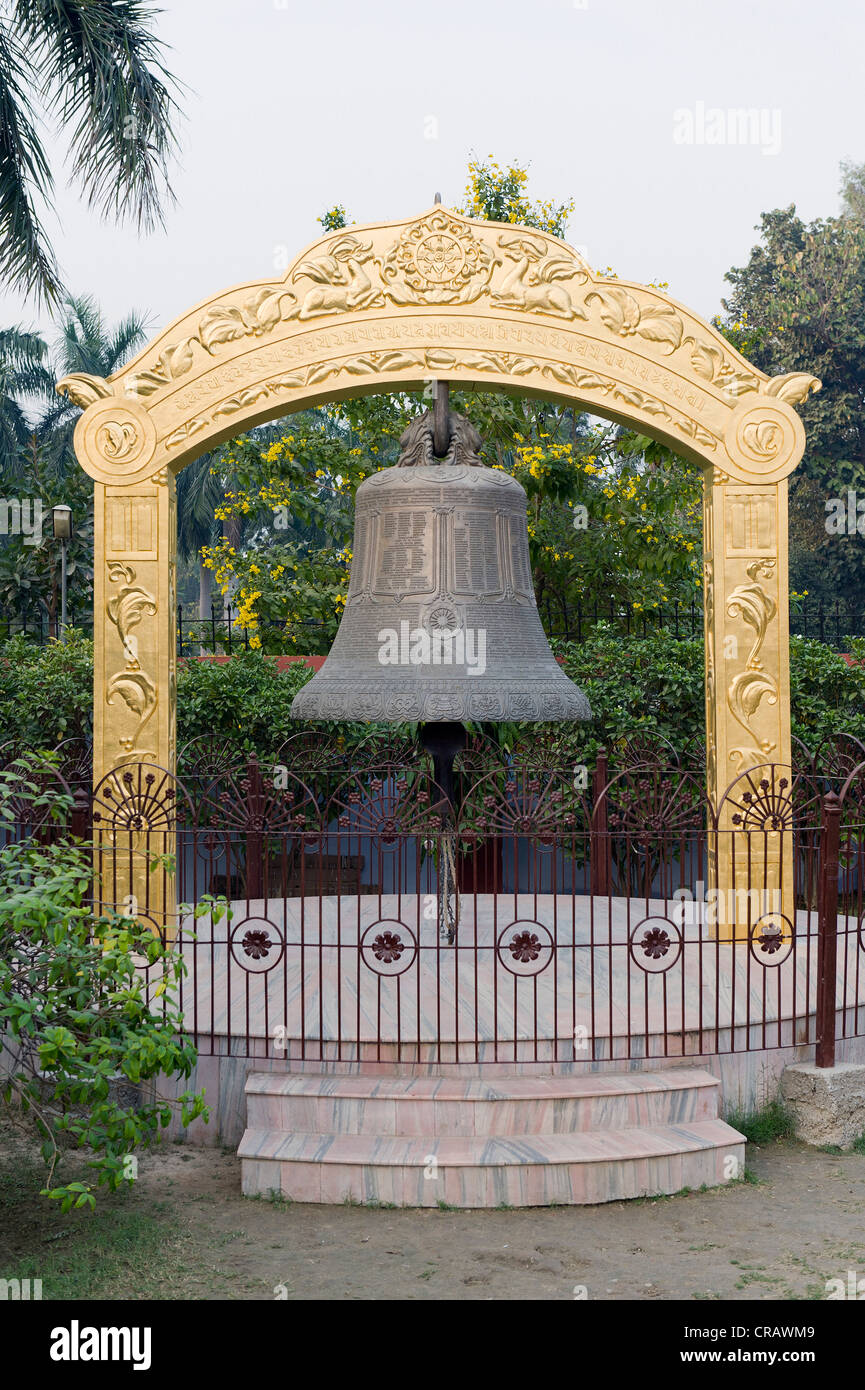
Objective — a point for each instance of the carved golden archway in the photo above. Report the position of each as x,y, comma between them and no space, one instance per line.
393,305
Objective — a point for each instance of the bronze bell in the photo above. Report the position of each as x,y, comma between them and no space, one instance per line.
441,622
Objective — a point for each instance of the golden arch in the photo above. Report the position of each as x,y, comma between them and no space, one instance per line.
393,305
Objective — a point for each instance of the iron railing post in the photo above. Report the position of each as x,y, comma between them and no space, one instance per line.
80,815
254,834
599,844
827,930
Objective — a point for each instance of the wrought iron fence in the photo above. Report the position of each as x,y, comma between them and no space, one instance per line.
586,926
833,623
219,633
42,627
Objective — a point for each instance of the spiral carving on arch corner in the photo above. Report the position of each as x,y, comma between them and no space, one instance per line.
117,438
764,438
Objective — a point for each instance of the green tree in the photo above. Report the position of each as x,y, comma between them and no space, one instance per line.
799,306
85,343
30,572
24,374
75,1007
199,493
97,67
37,458
498,194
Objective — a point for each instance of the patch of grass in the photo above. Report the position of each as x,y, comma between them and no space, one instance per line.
227,1237
774,1120
753,1277
273,1196
120,1251
858,1145
444,1206
816,1293
750,1177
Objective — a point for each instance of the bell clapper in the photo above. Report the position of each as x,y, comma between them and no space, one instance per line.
444,741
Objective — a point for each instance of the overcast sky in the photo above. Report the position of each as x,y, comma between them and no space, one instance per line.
294,106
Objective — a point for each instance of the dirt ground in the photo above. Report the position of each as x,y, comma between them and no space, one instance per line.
797,1223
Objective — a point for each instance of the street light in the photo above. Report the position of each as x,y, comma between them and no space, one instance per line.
61,516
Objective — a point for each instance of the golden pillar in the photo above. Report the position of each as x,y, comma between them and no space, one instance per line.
747,652
135,667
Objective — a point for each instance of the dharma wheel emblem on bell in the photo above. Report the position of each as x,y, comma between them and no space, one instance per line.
440,622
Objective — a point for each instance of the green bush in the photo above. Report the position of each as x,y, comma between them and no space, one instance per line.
655,685
827,693
649,685
74,1011
46,693
773,1120
245,700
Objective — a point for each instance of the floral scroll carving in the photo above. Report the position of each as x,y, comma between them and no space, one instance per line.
135,687
751,686
622,314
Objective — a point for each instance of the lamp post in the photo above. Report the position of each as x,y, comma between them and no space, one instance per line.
61,516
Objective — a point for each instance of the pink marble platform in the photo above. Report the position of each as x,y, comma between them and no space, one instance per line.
315,984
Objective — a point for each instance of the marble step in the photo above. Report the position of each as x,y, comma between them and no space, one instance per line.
293,1102
486,1171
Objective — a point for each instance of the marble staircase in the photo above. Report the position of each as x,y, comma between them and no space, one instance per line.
520,1141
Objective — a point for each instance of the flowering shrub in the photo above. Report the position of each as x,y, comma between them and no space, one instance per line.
80,1031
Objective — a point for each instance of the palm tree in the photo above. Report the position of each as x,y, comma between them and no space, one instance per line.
85,343
199,493
39,459
23,374
97,66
